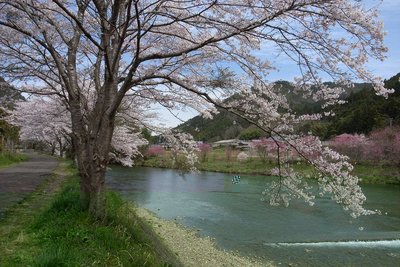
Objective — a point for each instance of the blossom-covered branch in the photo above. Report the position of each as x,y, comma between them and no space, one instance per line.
92,54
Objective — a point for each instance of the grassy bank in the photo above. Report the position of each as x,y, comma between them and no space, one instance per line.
50,229
217,161
8,159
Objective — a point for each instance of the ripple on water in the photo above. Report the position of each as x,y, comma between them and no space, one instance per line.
355,243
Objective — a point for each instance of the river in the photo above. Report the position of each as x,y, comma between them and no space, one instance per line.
299,235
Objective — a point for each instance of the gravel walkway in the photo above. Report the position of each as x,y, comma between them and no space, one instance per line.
18,181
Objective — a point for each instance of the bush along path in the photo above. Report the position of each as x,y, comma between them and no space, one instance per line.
9,159
48,228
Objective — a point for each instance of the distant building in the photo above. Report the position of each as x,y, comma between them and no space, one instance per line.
236,143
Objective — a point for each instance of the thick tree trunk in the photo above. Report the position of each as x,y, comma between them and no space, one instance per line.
97,203
85,185
92,187
92,169
53,149
60,145
92,146
69,148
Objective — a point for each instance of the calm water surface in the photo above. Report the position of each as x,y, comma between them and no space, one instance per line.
300,235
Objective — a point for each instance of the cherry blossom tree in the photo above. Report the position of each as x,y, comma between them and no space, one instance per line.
242,156
155,150
384,145
265,148
352,145
125,145
204,151
190,54
46,120
43,120
183,150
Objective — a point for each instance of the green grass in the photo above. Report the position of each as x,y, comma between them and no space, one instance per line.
217,161
377,173
36,233
8,159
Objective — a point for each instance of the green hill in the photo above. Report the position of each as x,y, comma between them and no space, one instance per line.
363,112
224,125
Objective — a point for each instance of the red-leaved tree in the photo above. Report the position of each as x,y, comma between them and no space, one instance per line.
352,145
384,145
155,150
204,151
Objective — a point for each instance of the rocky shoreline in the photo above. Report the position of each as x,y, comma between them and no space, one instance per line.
189,248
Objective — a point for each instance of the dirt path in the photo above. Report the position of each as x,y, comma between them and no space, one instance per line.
18,181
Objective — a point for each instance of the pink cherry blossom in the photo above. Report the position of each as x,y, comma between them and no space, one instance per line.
94,56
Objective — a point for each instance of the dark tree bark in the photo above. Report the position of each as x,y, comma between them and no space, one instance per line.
92,142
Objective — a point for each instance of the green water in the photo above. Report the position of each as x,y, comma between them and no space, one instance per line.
299,235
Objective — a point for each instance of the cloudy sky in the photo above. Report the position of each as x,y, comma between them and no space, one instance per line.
390,14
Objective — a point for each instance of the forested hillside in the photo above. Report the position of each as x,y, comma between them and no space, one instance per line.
363,112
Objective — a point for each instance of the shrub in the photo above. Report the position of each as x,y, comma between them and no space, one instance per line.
265,148
204,151
352,145
384,145
155,150
242,156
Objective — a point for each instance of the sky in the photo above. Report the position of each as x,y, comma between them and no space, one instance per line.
390,15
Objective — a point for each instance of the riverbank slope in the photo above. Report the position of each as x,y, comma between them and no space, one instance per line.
191,249
216,161
48,228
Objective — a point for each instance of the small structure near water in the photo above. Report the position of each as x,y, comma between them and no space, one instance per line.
236,143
